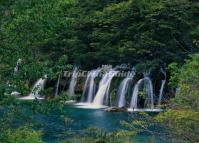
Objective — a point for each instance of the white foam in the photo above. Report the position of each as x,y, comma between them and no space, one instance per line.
30,98
144,110
70,102
15,93
89,106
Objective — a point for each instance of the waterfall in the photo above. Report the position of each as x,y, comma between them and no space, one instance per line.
162,87
148,88
122,91
90,86
57,85
16,69
149,91
86,86
161,92
38,86
103,91
134,98
73,81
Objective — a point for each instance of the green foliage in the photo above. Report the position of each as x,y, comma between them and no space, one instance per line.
135,31
22,135
95,135
181,119
182,125
50,36
11,110
48,93
144,123
174,71
131,31
188,95
27,29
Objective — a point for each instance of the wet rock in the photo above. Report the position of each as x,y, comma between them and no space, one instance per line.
116,109
15,94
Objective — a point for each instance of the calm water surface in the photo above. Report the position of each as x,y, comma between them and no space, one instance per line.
54,127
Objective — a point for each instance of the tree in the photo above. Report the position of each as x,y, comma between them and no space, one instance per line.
182,117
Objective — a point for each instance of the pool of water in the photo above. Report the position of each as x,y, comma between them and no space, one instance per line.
55,127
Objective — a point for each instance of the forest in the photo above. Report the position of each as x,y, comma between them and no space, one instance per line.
43,40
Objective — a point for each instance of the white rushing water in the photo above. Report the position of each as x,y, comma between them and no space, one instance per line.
73,81
103,91
148,88
134,99
16,69
161,92
162,87
123,89
38,86
149,91
57,85
90,86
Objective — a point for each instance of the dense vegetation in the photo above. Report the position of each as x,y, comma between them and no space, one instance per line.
183,114
50,36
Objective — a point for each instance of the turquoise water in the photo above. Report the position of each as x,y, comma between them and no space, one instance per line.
54,128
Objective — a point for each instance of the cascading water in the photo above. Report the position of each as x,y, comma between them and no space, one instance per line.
86,86
161,92
122,91
39,85
148,87
57,85
104,88
73,81
149,91
134,99
162,87
16,69
90,86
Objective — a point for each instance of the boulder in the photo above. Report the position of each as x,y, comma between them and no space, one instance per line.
116,109
15,94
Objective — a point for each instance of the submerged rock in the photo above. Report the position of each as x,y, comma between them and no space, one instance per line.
116,109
